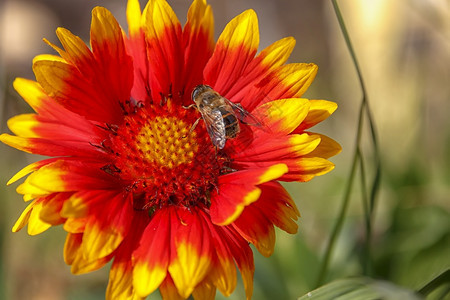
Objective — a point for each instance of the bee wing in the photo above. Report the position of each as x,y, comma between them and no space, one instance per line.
244,116
249,119
215,128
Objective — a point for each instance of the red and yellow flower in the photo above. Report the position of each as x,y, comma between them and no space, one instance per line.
128,177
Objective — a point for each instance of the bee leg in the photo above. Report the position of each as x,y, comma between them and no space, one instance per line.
189,106
192,128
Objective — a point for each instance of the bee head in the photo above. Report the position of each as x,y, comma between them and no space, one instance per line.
198,90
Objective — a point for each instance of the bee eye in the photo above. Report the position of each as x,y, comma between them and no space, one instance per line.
195,92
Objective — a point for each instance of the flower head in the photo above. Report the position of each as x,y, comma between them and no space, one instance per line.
130,176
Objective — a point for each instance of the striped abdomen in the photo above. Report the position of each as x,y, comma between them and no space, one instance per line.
230,121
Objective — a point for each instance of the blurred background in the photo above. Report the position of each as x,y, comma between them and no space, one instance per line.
404,51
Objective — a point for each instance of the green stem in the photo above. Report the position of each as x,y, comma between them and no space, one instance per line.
364,109
366,256
343,211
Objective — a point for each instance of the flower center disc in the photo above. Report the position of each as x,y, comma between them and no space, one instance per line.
161,160
166,141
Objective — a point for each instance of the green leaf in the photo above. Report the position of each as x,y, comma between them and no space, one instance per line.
362,288
443,278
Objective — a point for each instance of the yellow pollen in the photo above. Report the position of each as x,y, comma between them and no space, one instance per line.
167,141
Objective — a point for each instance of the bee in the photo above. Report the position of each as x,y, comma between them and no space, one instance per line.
220,115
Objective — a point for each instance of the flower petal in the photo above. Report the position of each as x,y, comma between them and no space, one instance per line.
163,35
277,54
50,111
65,84
318,111
31,92
205,290
75,225
277,206
256,229
191,253
153,254
91,84
134,17
231,201
270,59
64,176
104,232
223,273
58,137
120,285
31,216
44,181
300,169
287,81
30,168
198,39
326,148
51,208
243,256
22,221
115,67
292,80
77,53
22,125
48,147
306,168
71,247
255,176
77,206
50,57
169,290
290,146
282,116
235,49
74,256
237,190
137,48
